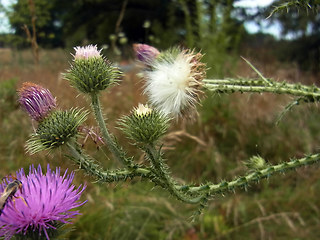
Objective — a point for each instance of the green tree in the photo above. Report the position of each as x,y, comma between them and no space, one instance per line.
48,21
171,21
214,27
73,22
299,23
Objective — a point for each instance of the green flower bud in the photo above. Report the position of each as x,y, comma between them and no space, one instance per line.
256,163
56,129
90,72
145,125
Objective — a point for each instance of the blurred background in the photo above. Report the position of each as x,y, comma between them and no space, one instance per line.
36,39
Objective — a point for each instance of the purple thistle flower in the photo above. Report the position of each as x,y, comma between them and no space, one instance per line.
145,53
49,199
36,100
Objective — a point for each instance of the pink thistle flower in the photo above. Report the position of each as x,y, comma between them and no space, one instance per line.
87,52
36,100
49,199
145,53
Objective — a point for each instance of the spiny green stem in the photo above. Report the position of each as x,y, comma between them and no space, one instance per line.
92,168
286,5
255,176
229,86
161,172
112,144
239,81
161,178
259,82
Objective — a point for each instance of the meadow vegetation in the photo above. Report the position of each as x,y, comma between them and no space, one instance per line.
229,130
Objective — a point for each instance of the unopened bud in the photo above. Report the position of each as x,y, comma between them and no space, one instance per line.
145,125
256,163
90,72
36,100
145,53
56,129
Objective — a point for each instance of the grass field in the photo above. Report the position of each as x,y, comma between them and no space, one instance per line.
229,130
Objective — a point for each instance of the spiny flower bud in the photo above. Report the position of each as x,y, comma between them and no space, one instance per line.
145,125
145,53
90,72
173,84
36,100
256,163
56,129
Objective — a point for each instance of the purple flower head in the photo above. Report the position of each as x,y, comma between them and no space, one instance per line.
48,200
36,100
87,52
145,53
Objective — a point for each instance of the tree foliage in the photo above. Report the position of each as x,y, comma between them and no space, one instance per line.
215,26
297,18
73,22
300,20
299,23
48,21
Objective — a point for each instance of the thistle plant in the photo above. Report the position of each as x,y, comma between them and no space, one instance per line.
174,81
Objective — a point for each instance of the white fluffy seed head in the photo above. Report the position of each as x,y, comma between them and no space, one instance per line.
173,83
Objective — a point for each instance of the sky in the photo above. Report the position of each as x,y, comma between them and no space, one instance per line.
254,3
4,23
250,26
